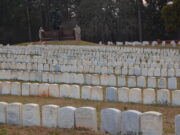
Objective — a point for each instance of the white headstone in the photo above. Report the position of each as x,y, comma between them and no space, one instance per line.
151,82
26,89
34,87
65,90
141,81
172,83
54,90
75,91
86,92
16,88
111,121
14,114
162,83
176,97
122,81
111,94
132,81
49,116
97,93
31,115
149,96
177,125
66,117
163,96
6,88
135,95
123,94
86,117
3,107
43,90
152,123
131,122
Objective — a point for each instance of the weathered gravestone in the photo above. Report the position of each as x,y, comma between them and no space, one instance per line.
149,96
123,94
43,90
97,93
177,125
16,88
131,122
111,121
132,81
163,96
66,117
14,114
135,95
141,81
86,92
49,116
34,87
176,97
152,123
54,90
86,117
3,108
26,89
162,83
172,83
31,115
151,82
65,90
122,81
111,94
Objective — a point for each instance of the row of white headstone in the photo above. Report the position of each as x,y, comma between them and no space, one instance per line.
144,43
113,120
96,93
93,54
137,71
91,79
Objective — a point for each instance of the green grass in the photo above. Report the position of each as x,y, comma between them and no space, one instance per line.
65,42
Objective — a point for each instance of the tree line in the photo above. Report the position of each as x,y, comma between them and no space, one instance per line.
100,20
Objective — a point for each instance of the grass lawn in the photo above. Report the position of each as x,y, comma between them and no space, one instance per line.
168,114
65,42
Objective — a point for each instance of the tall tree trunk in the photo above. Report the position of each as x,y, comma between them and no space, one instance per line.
29,22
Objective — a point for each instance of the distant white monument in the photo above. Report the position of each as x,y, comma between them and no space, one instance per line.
41,30
77,30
